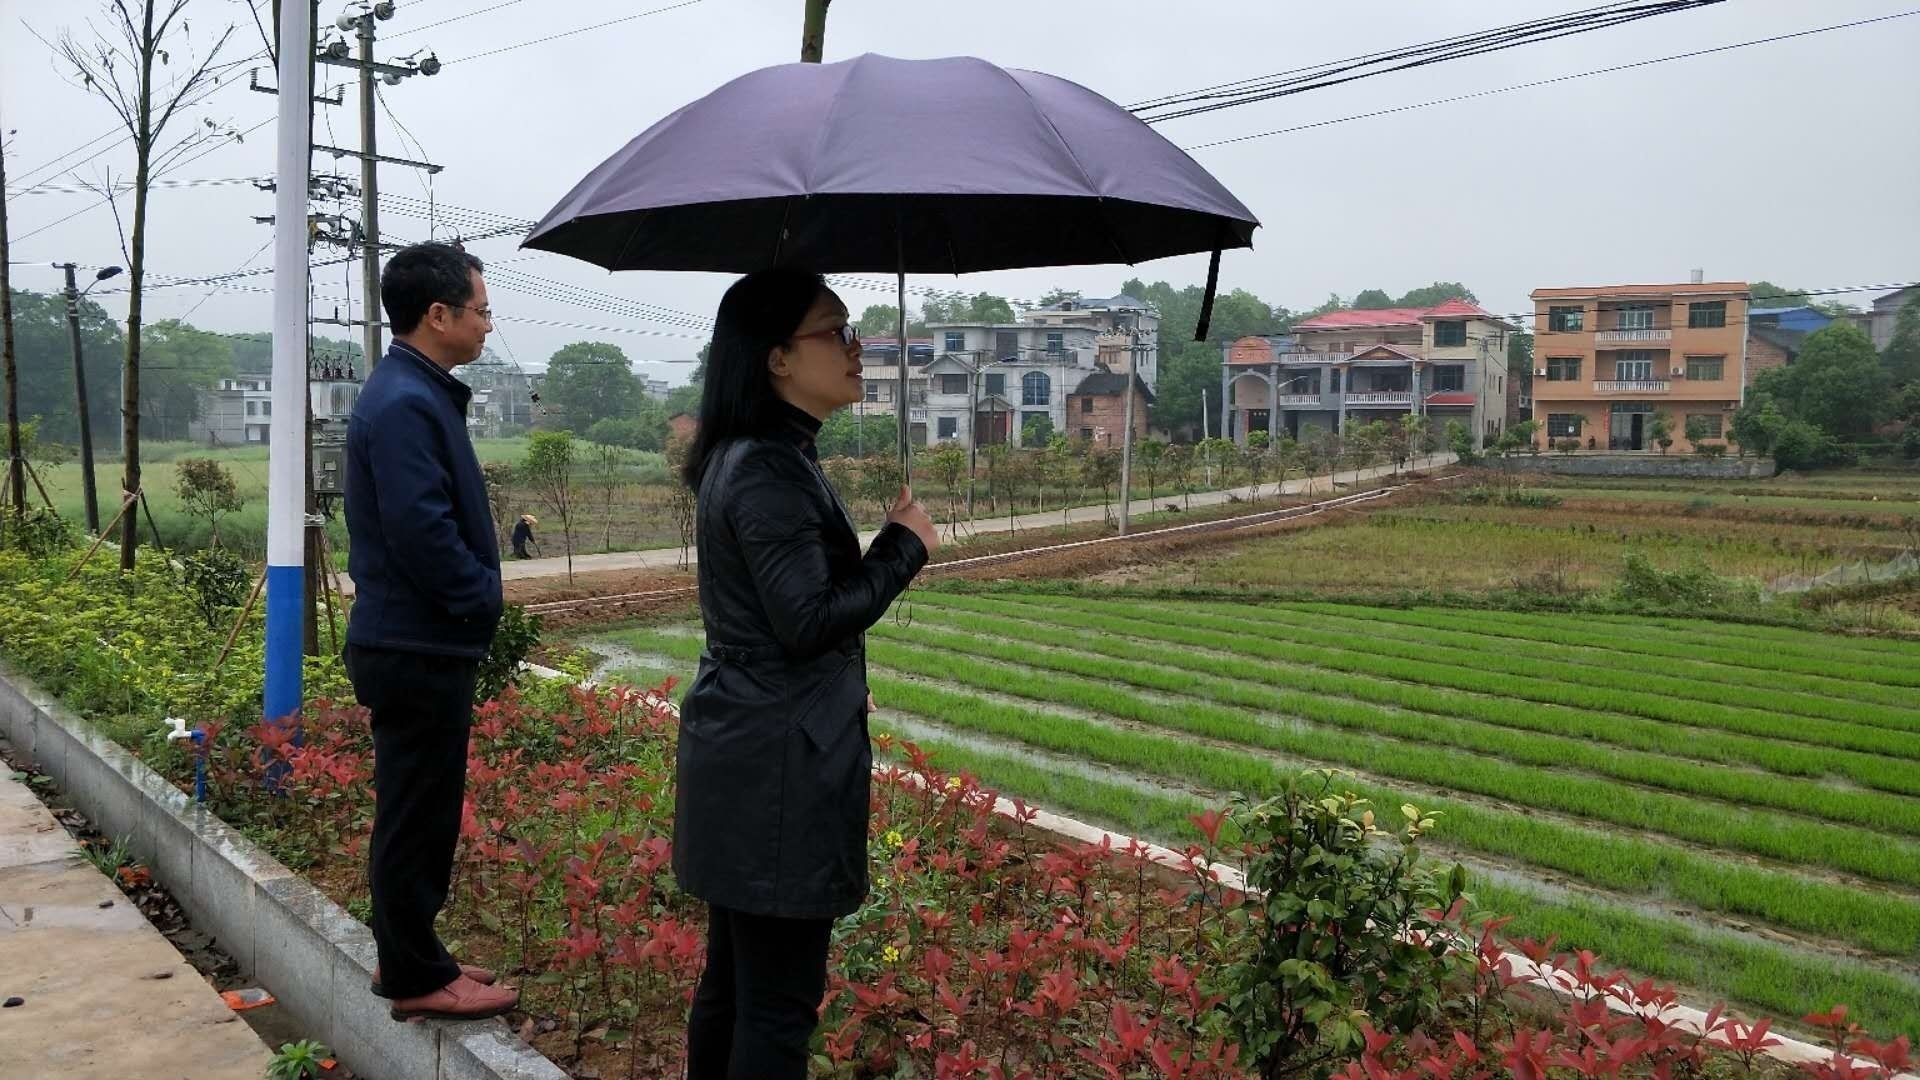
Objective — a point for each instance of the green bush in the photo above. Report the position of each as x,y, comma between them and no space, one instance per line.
1694,587
40,534
1802,447
1352,926
218,580
517,636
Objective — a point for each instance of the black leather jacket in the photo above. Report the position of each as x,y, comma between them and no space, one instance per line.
773,772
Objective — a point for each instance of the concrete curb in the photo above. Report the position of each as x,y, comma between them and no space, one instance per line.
282,931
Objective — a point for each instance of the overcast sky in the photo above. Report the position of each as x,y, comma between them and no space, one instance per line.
1794,162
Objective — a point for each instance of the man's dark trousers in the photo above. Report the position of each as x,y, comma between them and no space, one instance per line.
759,998
422,707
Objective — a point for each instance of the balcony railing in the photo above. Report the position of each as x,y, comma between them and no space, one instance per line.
1381,397
1632,337
916,414
1316,357
1632,386
1297,400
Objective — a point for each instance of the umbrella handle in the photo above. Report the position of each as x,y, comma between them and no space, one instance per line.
900,406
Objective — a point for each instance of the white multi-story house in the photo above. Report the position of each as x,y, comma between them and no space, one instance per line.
235,410
1448,362
1000,380
1124,328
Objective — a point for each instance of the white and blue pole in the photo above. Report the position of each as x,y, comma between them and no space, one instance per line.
287,451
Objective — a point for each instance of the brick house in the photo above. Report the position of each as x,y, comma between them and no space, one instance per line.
1769,347
1097,409
680,427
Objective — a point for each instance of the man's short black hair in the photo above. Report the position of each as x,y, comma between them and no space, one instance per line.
418,277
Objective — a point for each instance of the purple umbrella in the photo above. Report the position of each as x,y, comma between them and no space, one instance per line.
876,164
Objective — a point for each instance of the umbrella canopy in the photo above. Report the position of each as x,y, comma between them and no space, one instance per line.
877,164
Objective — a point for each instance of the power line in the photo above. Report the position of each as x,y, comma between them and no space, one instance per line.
157,185
1555,79
182,163
570,33
1529,33
454,19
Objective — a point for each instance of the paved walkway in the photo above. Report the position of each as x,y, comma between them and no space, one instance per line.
669,558
103,995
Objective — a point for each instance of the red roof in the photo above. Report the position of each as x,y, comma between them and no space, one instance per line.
1362,317
1457,308
1451,397
1355,318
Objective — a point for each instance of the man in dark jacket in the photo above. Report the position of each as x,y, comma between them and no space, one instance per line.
426,570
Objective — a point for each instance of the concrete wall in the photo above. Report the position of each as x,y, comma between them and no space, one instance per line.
1668,465
284,933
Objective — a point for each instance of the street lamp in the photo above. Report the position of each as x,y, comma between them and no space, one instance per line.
80,386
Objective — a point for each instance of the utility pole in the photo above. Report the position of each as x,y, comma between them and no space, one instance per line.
336,54
370,195
16,474
1126,435
87,484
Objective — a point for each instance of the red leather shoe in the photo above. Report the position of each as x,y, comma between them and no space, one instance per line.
472,971
461,999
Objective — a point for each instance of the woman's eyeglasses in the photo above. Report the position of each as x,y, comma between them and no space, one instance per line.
845,334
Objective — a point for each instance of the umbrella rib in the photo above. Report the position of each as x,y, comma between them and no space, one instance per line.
1113,238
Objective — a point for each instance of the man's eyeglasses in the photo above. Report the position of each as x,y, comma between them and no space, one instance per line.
484,312
845,334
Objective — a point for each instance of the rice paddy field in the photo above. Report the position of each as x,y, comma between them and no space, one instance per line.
1732,808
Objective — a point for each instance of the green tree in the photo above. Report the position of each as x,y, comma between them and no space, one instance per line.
883,321
1757,425
1372,299
589,381
1436,294
1662,430
41,349
990,309
1801,446
1036,430
207,490
180,361
1058,295
1460,441
1902,356
1837,384
847,434
1765,294
1178,463
1152,454
1698,430
548,470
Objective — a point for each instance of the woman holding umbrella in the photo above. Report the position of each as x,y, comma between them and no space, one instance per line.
774,766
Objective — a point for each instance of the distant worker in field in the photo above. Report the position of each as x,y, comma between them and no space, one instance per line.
523,535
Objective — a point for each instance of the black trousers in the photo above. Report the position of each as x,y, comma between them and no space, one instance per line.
422,709
759,997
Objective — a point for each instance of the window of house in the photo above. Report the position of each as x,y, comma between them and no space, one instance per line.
953,384
1714,422
956,341
997,384
948,426
873,390
1056,342
1707,314
1335,373
1566,318
1563,425
1634,317
917,395
266,408
1450,377
1563,369
1709,368
1036,389
1449,333
253,408
1086,404
1086,434
1634,365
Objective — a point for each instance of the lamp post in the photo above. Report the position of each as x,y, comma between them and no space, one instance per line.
74,296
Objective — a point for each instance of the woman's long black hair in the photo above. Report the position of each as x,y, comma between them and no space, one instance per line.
759,312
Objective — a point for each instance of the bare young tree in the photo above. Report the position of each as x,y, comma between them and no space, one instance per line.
129,64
